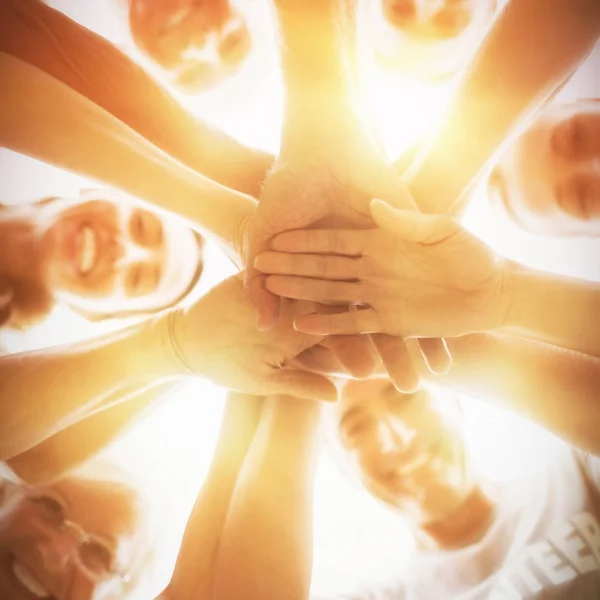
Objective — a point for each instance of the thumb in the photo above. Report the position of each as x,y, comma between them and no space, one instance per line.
302,384
411,225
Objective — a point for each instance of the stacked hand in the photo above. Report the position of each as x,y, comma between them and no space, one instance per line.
417,275
329,184
218,338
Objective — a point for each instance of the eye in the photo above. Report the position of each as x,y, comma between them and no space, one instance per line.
568,138
574,198
146,229
400,12
50,509
142,279
450,21
96,557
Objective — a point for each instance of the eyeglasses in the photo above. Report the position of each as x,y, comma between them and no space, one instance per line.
93,554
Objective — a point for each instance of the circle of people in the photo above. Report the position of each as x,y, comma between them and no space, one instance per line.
360,297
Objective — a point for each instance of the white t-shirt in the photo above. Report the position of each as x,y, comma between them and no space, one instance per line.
544,544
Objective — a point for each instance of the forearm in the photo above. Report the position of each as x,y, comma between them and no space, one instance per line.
43,392
92,66
550,308
45,119
553,387
266,551
532,47
68,449
195,568
318,59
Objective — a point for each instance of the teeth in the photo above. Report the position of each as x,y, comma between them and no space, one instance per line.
415,465
28,581
88,250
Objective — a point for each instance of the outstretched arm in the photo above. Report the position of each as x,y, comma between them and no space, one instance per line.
553,387
193,578
530,50
70,448
45,391
425,275
266,549
43,118
90,65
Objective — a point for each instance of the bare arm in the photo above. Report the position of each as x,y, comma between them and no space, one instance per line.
532,47
93,67
194,573
70,448
562,311
44,392
43,118
266,550
555,388
318,60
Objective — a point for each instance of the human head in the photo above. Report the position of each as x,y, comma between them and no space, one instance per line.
406,449
430,39
75,539
197,43
110,259
549,180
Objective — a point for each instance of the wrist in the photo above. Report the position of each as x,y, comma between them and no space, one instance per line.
511,287
163,334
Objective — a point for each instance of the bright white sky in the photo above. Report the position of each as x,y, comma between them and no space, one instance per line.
355,538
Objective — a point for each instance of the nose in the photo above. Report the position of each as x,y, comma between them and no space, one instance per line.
57,551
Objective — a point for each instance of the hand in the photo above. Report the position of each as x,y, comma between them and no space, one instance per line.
314,186
330,184
419,275
218,338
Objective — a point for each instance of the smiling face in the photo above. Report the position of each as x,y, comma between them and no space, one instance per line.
407,449
72,540
433,37
107,258
549,180
198,43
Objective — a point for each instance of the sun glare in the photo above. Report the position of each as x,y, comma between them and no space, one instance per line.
172,448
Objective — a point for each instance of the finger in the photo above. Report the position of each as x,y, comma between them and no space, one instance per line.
412,225
321,241
301,384
397,362
355,353
265,303
308,265
347,323
319,359
317,290
436,355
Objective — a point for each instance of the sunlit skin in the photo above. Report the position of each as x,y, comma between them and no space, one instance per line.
198,44
407,449
97,255
41,557
549,180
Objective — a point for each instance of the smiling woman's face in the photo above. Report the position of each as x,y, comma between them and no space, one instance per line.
197,43
549,180
406,448
105,258
73,540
